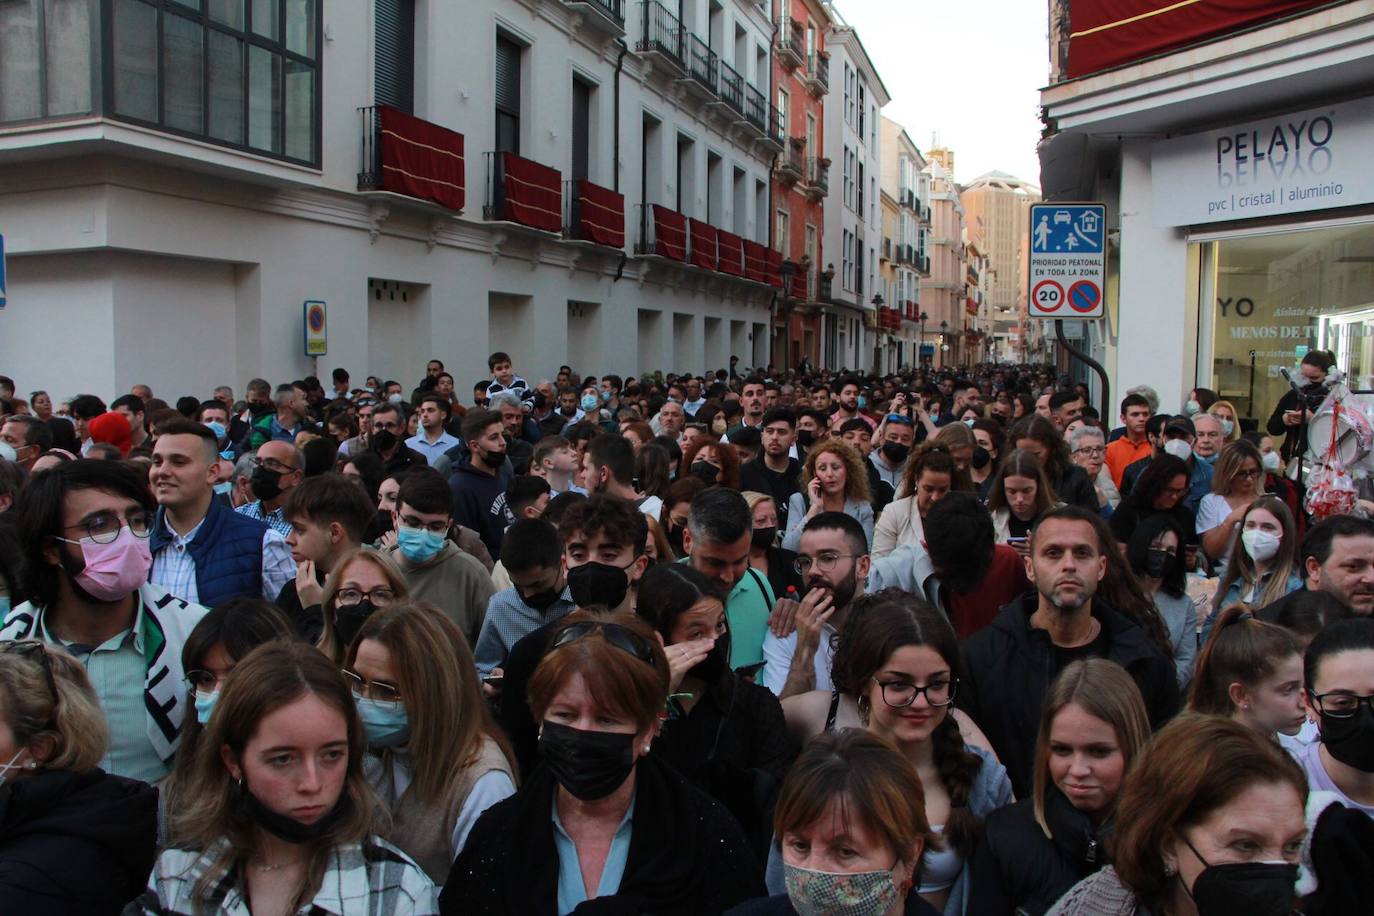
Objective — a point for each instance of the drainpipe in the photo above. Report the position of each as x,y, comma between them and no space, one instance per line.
615,140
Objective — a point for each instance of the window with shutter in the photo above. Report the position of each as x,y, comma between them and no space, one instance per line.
581,128
395,54
507,95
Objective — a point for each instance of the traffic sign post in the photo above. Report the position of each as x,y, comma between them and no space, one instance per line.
3,299
1068,260
316,329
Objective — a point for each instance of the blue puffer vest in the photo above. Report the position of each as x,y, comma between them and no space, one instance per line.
227,551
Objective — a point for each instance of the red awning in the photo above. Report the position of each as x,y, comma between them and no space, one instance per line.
670,233
532,194
1109,33
801,289
703,244
775,268
601,214
420,159
970,306
731,251
755,261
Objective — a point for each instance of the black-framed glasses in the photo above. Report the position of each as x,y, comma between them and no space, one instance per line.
202,681
381,596
104,527
273,465
1091,451
1342,705
1248,475
825,562
34,650
371,690
618,636
901,694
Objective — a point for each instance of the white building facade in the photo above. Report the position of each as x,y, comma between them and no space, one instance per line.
853,210
176,180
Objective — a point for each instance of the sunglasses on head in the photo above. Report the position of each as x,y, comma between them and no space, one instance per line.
624,639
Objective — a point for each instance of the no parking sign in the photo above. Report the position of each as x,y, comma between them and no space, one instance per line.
316,329
1068,260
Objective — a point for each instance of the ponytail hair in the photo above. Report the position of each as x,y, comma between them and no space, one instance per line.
1241,649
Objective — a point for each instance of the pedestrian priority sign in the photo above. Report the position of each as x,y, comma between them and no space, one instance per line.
1068,260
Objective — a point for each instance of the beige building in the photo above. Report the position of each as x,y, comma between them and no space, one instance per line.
942,292
906,189
997,214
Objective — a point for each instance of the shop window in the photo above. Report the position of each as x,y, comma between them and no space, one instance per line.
1268,299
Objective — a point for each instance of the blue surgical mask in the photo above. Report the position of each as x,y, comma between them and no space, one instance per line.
589,402
606,395
385,722
419,545
205,704
4,606
1226,427
863,402
225,487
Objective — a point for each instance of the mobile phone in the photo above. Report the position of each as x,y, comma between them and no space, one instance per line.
1017,542
493,679
748,671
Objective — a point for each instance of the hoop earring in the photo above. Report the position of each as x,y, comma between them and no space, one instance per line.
865,709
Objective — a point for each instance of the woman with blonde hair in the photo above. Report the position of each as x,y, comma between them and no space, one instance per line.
765,556
1237,481
1019,496
833,479
1092,728
436,758
1225,411
363,581
73,839
278,811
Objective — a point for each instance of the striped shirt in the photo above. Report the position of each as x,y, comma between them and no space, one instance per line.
372,878
175,569
509,620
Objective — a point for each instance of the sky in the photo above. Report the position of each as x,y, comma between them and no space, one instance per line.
968,70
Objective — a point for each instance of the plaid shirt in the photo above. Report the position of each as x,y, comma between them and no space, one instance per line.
373,878
509,620
274,519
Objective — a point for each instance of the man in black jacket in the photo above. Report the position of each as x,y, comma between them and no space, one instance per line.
1010,664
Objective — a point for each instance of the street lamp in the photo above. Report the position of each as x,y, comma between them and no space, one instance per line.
922,317
944,347
786,271
878,337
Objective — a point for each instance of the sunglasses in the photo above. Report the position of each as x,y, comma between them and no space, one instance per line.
618,636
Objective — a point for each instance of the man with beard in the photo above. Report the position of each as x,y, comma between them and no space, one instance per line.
847,394
85,527
608,467
719,531
834,561
1010,664
479,479
387,439
203,551
775,472
1338,557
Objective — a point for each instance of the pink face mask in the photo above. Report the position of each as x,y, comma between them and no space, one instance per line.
115,569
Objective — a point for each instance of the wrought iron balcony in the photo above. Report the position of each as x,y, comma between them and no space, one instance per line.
662,36
817,77
606,16
732,87
791,44
791,164
702,65
817,177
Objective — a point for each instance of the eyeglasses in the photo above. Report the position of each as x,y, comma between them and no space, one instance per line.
104,527
618,636
1247,475
380,596
824,562
901,694
272,464
1342,705
1091,451
33,650
202,681
371,690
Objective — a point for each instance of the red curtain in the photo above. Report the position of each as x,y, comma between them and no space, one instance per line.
1109,33
799,283
703,244
420,159
670,233
755,261
534,193
970,306
731,250
602,215
775,268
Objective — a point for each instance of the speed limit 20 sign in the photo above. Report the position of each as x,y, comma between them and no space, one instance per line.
1068,260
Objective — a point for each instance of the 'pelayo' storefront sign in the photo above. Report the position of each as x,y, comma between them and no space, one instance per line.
1285,164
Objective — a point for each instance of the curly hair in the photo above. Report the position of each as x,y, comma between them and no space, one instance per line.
726,457
855,474
878,625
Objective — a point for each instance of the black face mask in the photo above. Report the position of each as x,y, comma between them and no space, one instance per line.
981,458
896,452
1244,888
716,662
568,411
542,601
349,618
590,765
1157,562
287,828
675,540
383,440
258,409
763,538
598,584
705,471
384,522
805,438
494,460
1351,741
265,483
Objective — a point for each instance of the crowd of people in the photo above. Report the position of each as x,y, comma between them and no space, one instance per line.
939,641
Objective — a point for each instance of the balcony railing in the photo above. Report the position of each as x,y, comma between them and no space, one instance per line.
906,254
406,155
817,177
731,87
818,72
887,249
702,63
663,34
603,15
909,200
593,214
523,191
791,45
791,164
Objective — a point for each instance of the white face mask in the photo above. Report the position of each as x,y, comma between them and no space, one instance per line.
6,767
1261,545
1271,462
1179,448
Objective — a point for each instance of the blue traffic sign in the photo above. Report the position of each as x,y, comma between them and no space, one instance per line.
2,272
1068,228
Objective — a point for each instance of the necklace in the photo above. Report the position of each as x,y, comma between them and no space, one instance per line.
263,866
